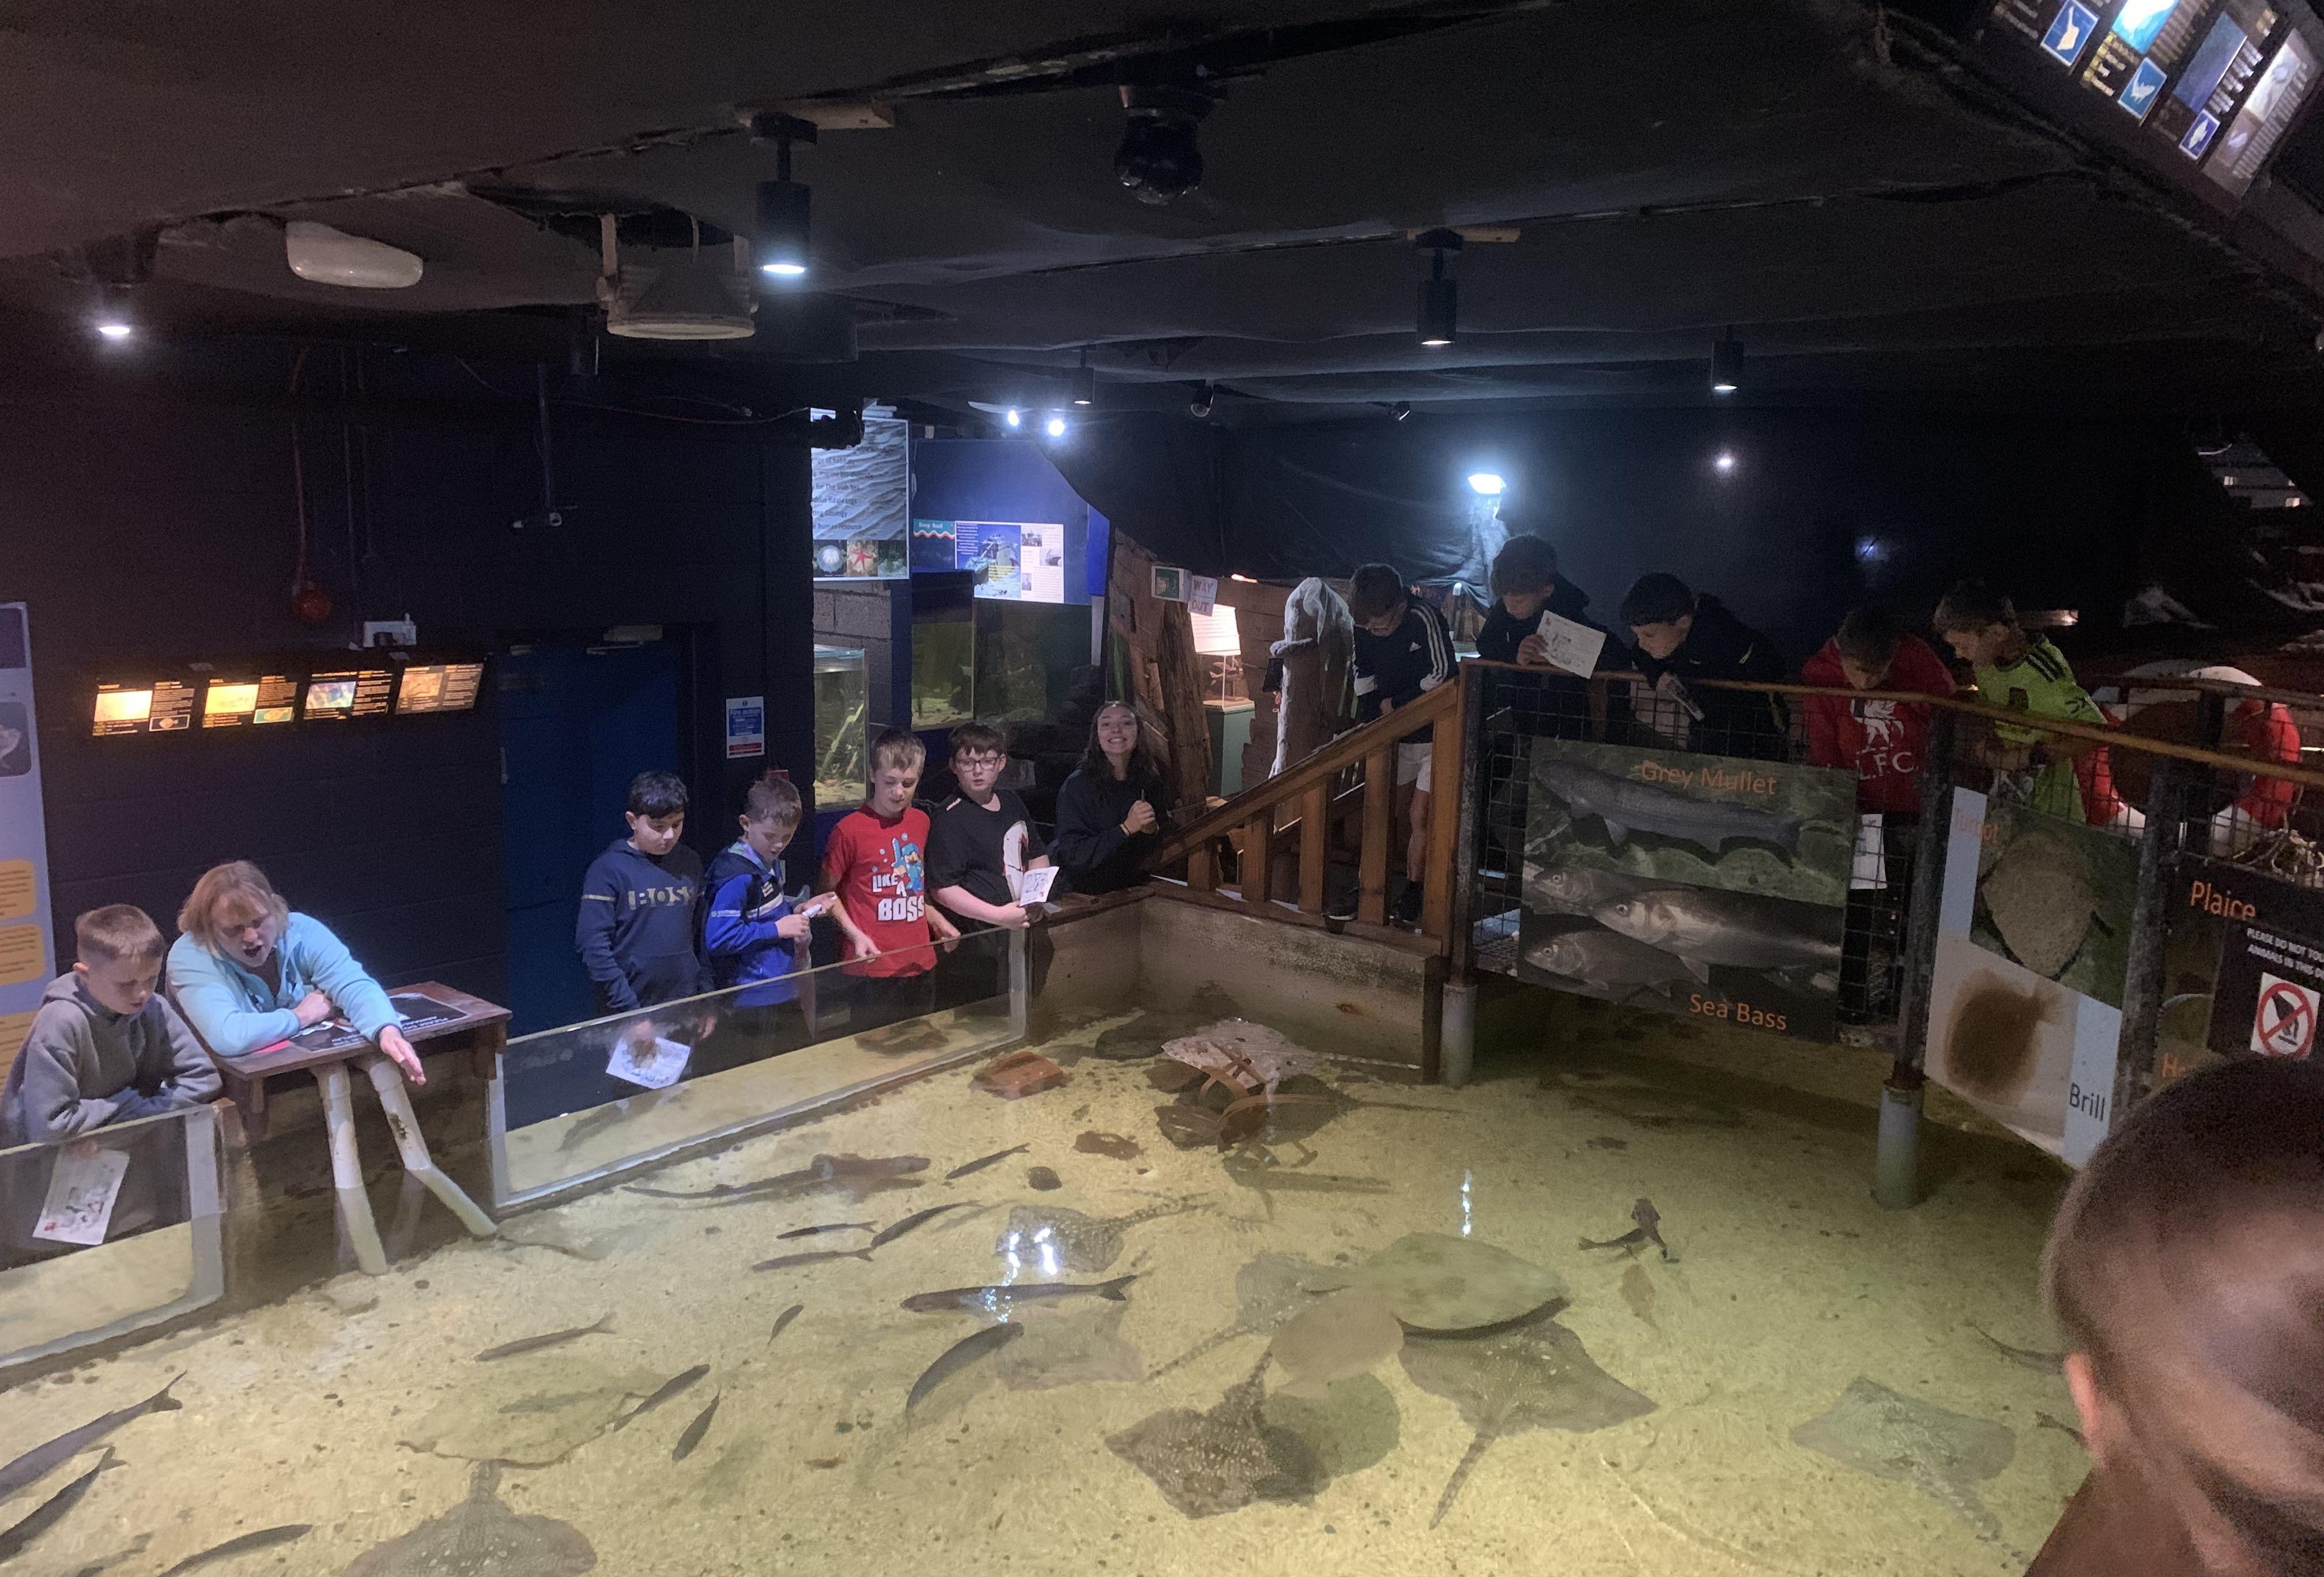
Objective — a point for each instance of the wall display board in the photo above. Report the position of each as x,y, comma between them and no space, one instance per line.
258,694
2243,969
861,499
27,954
249,700
2202,91
2033,944
1700,885
1017,560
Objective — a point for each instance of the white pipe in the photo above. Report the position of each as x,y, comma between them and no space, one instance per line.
346,1170
1457,1033
395,1102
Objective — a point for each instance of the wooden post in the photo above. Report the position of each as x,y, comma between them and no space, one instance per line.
1372,850
1444,819
1201,868
1315,826
1258,850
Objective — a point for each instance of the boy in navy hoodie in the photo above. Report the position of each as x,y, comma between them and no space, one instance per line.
639,900
752,936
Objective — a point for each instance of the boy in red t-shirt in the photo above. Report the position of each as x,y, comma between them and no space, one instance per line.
874,861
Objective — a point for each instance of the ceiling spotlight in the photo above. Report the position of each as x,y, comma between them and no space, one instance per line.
1723,462
1057,427
1157,159
1440,304
1487,482
1726,365
1084,382
1200,406
1013,417
779,245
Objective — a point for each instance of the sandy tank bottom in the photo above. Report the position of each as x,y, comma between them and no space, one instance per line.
360,1408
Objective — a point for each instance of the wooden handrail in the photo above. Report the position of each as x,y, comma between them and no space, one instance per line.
2223,761
1318,766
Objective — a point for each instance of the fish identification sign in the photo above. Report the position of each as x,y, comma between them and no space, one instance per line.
1700,885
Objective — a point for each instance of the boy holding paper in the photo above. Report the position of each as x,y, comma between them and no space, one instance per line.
106,1046
981,852
1531,602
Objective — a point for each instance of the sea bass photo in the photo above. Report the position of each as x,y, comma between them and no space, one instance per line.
1626,808
1614,964
1577,889
1703,926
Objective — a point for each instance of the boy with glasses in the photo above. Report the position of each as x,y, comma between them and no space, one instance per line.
981,844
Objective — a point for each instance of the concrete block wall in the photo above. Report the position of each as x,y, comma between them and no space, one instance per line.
859,614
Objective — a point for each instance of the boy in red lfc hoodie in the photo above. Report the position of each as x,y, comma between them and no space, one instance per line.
1884,742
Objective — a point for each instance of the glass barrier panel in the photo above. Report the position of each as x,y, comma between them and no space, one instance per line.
153,1255
589,1101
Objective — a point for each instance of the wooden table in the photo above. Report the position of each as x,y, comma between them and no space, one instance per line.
479,1031
467,1025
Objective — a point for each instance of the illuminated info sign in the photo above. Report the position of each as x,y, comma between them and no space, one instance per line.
2201,89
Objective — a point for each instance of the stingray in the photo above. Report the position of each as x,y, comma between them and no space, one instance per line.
1243,1056
481,1537
1335,1338
1938,1451
1268,1290
1205,1463
1063,1239
1441,1284
1144,1035
1533,1376
1068,1347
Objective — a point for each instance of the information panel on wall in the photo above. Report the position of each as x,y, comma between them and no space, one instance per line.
27,953
258,694
2203,91
1021,560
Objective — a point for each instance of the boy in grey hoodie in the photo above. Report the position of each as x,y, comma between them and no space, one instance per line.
104,1047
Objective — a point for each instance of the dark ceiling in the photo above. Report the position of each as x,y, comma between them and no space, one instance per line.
1821,175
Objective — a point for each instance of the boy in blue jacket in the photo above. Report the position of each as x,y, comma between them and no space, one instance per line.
639,900
753,938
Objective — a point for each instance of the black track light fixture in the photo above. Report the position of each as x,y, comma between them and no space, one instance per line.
1084,381
1400,410
1204,401
1157,159
779,247
1726,365
1440,299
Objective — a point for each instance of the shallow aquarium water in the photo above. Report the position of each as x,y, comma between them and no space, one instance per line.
1804,1384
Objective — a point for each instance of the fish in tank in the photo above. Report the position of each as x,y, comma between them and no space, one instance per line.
841,698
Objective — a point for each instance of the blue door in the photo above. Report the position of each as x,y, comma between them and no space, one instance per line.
576,725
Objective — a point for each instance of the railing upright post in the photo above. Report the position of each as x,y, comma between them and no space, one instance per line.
1926,899
1469,822
1314,816
1379,828
1257,855
2143,983
1440,901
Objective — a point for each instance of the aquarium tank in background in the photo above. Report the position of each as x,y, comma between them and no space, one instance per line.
842,703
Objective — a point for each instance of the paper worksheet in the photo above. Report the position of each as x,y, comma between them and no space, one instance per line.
654,1065
81,1192
1571,647
1033,886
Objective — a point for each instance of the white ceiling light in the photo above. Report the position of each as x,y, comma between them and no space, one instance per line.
692,298
333,257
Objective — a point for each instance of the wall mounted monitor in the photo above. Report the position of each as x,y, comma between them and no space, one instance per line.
142,706
350,692
241,700
443,686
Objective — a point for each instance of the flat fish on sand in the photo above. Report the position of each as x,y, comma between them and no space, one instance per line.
481,1537
1060,1239
1152,1027
1268,1290
1206,1463
1239,1051
1335,1338
1444,1284
1938,1451
1534,1376
528,1414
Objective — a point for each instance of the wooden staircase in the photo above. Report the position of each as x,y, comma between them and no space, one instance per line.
1269,850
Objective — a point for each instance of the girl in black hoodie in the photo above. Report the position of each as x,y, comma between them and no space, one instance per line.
1109,812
